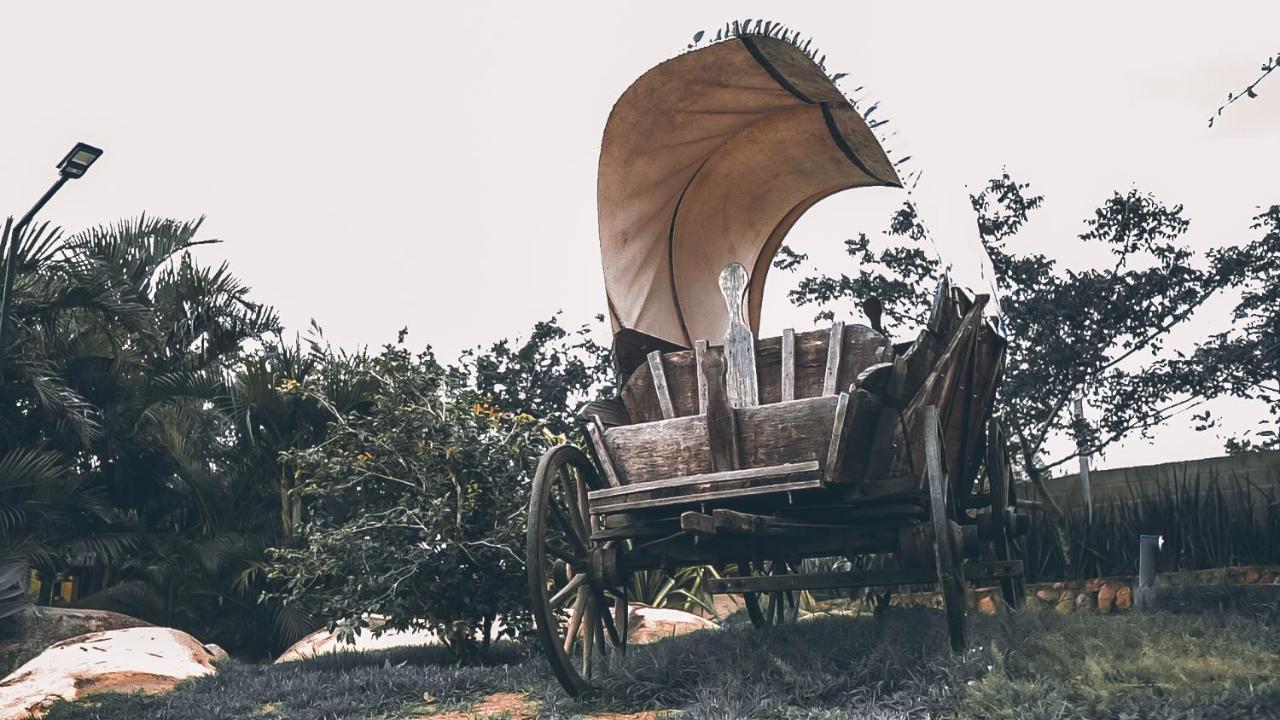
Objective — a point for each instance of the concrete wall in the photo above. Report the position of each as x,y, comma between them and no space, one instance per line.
1261,469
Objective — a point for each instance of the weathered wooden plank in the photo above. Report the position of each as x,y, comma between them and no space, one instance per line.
839,433
731,521
785,432
739,343
813,481
699,352
707,480
862,420
595,429
788,387
722,425
835,346
660,449
660,385
859,578
880,453
860,346
697,523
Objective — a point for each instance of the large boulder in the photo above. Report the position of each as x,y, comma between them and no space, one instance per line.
147,659
324,642
37,628
648,624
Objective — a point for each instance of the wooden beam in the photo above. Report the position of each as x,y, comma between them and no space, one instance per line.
839,432
697,498
835,348
739,344
858,578
697,523
699,350
788,364
722,423
595,429
660,384
880,454
735,522
708,479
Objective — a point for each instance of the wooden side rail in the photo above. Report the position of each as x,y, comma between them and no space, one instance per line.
694,489
859,578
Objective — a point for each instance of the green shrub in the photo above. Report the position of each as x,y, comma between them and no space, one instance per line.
414,509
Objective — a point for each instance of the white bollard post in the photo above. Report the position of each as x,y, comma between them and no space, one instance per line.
1145,598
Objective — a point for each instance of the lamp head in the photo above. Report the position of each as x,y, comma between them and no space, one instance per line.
77,162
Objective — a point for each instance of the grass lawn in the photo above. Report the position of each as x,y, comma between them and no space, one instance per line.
1216,656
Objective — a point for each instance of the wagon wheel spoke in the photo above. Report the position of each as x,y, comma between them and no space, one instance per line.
773,607
567,603
563,593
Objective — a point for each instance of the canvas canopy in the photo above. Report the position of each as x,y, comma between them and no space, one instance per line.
710,158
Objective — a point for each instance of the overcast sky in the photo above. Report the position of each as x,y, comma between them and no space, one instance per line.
379,165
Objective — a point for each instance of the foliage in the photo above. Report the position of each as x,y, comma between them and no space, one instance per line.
548,375
1247,356
414,507
1206,521
1250,91
121,423
685,589
1096,331
1219,659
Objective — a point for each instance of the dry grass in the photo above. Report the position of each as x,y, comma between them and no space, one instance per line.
1218,656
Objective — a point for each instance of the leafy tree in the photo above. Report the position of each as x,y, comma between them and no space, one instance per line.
1246,358
548,375
414,507
1094,331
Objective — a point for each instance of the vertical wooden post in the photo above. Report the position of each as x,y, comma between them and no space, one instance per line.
739,344
788,364
1145,598
835,348
660,385
700,349
1082,449
722,423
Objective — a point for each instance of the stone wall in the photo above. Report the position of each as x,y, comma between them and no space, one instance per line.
1106,595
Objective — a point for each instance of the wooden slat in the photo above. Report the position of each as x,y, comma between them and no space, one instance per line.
595,429
722,425
660,449
784,432
859,578
700,350
834,350
860,346
788,364
660,385
731,494
839,433
739,343
708,479
880,453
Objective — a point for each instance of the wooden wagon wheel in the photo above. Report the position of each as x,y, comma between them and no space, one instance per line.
950,580
582,625
1003,500
779,607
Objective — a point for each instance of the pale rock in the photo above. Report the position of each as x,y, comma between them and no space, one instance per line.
146,659
647,624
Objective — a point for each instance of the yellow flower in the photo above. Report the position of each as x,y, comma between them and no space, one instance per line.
364,457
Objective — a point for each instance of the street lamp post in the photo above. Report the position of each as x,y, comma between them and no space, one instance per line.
74,165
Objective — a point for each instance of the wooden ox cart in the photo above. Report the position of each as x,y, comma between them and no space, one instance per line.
752,455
